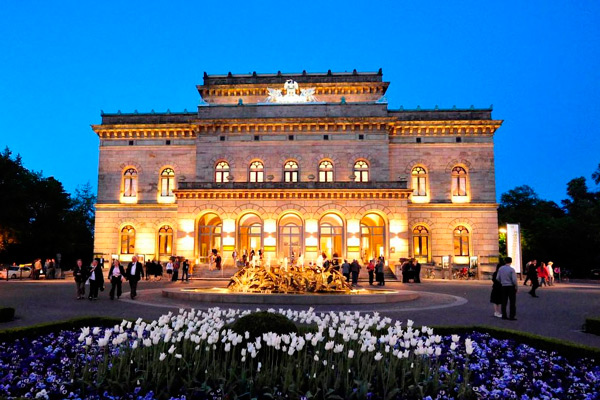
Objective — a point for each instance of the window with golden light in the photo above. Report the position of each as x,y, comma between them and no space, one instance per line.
361,171
459,181
461,241
130,183
167,182
256,172
165,241
290,171
222,172
420,241
128,240
325,171
419,181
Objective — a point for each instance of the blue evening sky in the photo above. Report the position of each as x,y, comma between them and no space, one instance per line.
537,62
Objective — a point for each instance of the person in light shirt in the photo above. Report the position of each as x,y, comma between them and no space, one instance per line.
116,275
508,279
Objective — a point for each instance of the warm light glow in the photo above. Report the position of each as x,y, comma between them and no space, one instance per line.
353,226
353,242
186,225
229,225
397,226
185,243
129,199
269,241
165,199
311,241
228,241
145,242
461,199
270,226
502,230
419,199
312,226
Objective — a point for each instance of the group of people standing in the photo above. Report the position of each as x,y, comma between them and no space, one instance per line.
351,269
116,275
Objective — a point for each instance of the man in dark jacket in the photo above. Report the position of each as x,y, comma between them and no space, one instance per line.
532,275
134,273
354,269
80,276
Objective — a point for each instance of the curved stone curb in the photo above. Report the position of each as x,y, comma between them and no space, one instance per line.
373,297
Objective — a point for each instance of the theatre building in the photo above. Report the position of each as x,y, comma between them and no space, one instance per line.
298,165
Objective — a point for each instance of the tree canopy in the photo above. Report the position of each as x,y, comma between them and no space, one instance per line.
38,218
568,235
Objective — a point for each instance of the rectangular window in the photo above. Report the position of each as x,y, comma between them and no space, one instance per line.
166,189
418,140
458,139
130,187
168,143
222,138
459,186
325,137
256,138
290,176
418,184
131,142
361,137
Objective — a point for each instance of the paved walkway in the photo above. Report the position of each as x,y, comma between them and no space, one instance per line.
559,312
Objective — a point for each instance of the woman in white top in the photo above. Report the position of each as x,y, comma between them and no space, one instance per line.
169,269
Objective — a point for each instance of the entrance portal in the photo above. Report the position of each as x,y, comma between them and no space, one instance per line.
372,237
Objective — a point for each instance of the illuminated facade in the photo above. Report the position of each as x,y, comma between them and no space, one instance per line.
298,164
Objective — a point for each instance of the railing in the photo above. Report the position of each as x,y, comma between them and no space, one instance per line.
292,185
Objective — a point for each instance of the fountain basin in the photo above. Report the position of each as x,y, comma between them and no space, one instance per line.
358,296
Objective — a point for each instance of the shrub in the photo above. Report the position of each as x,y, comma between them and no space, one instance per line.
261,322
592,325
11,334
7,314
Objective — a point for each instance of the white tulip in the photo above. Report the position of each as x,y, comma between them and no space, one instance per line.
378,356
350,353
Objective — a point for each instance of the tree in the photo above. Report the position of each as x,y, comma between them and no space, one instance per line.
38,218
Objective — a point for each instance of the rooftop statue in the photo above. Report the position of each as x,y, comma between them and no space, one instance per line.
291,96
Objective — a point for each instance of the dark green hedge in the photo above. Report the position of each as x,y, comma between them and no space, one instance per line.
566,349
9,335
261,322
7,314
592,325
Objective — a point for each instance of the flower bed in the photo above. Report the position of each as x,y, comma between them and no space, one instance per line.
336,355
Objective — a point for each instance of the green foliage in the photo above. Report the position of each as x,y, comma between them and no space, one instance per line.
261,322
33,331
7,314
592,325
39,219
568,235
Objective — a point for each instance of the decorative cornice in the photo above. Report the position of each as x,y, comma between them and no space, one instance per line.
145,131
440,128
292,125
260,90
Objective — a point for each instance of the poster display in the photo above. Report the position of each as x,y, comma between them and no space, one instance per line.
513,245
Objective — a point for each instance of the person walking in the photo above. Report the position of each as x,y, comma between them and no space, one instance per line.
371,271
346,270
527,266
496,295
175,270
80,276
116,275
37,268
96,278
533,277
550,273
416,268
542,272
355,269
508,279
134,274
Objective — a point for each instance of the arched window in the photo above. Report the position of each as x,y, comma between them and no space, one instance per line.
130,183
459,181
257,172
290,171
461,241
419,181
165,241
167,182
420,241
325,171
331,235
361,171
222,172
128,240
